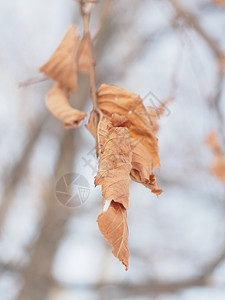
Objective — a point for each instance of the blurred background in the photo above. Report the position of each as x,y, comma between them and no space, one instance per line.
49,251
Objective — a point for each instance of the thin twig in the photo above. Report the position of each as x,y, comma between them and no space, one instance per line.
103,18
33,81
86,9
217,101
191,20
152,287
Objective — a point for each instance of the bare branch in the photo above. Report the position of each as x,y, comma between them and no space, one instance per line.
191,20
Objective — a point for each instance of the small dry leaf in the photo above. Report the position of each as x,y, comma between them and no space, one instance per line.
62,65
128,150
144,143
112,99
114,164
213,142
113,225
93,123
114,176
218,163
218,167
219,2
142,167
85,62
58,104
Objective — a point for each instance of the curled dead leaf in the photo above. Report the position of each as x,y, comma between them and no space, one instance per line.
114,176
213,142
142,167
62,65
112,99
126,109
58,105
113,225
114,164
93,123
218,163
219,2
218,167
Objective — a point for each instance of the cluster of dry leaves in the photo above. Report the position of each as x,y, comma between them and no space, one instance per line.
124,130
218,163
72,55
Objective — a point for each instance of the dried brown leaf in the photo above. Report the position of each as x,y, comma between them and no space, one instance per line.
62,65
127,109
142,166
58,104
114,176
113,225
112,99
218,163
114,163
93,123
213,142
218,167
219,2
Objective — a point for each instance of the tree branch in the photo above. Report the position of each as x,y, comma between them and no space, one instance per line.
191,20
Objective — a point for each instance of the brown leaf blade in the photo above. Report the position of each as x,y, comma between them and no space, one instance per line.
127,109
218,167
218,162
112,99
58,105
113,225
114,164
213,142
114,177
142,167
62,65
92,123
219,2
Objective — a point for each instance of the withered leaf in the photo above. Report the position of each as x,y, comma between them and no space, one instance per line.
218,167
213,142
103,132
114,176
144,144
114,164
62,65
219,2
93,123
142,167
58,104
113,225
112,99
218,163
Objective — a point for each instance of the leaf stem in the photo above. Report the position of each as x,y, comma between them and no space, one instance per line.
86,8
